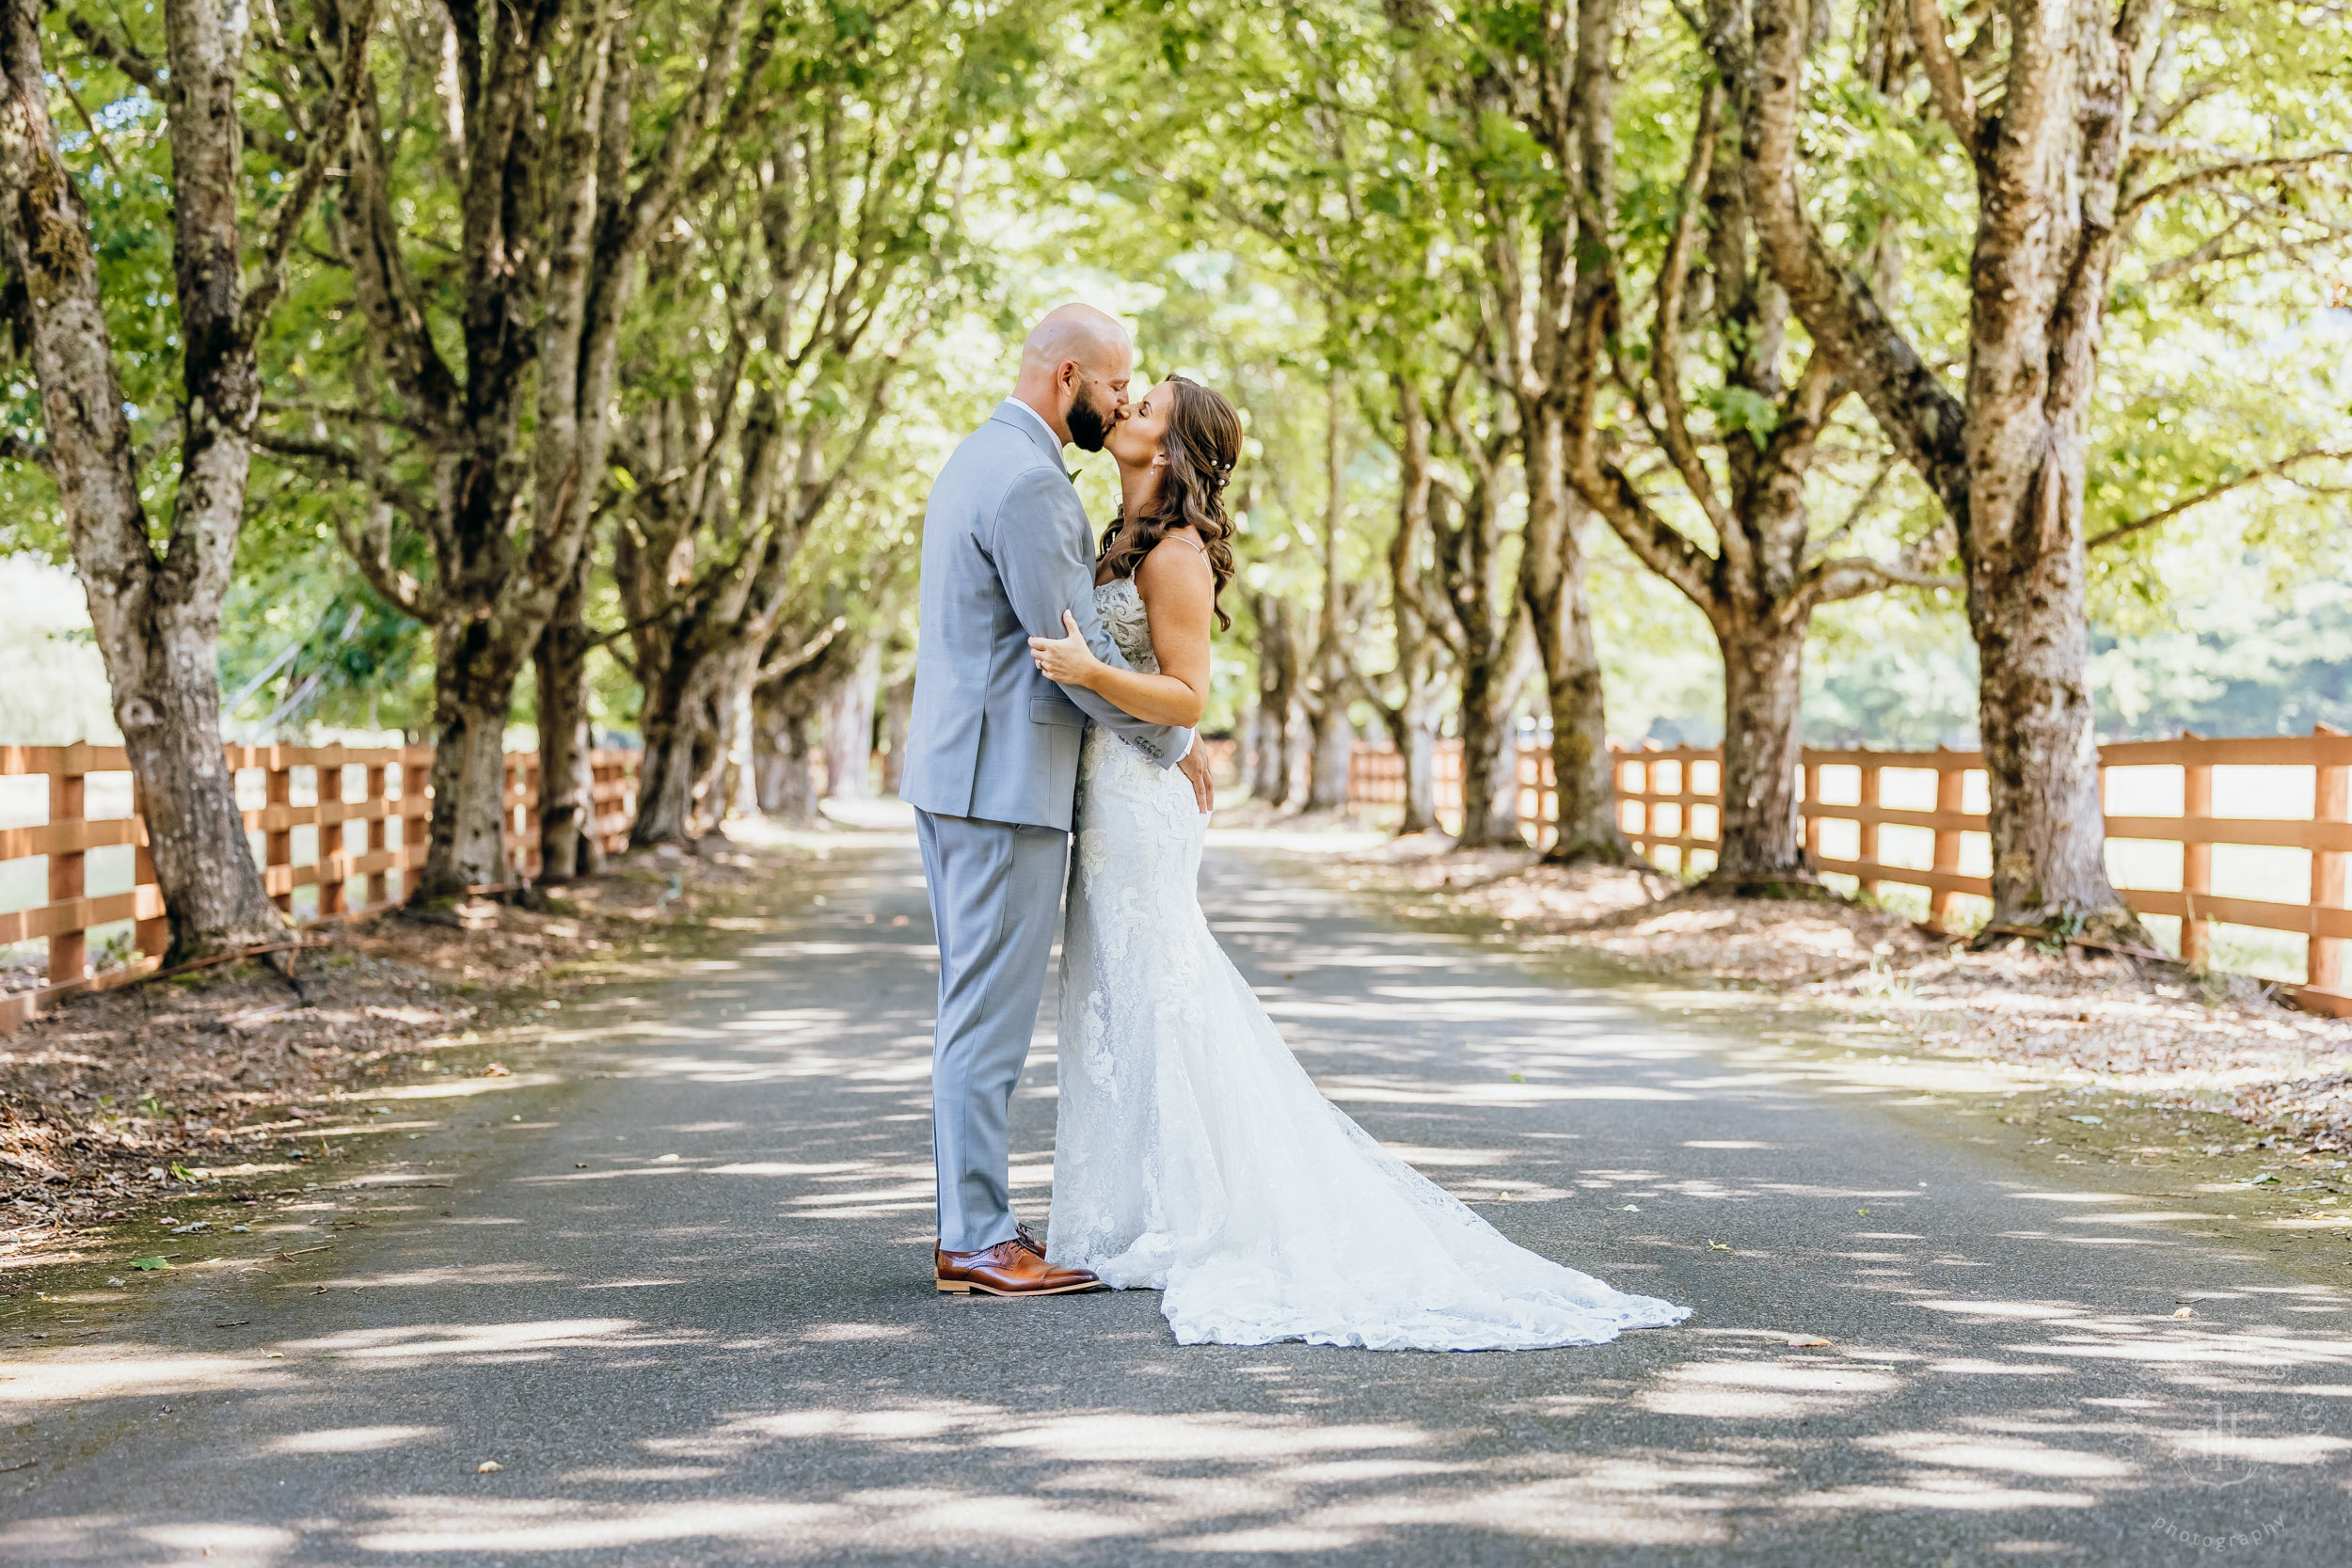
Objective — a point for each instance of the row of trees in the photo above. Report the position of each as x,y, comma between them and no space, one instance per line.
580,297
579,344
1620,250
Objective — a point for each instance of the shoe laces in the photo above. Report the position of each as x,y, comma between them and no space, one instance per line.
1028,1238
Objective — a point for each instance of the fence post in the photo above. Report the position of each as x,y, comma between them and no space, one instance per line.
331,840
276,830
68,951
379,775
1686,796
1867,849
416,818
2196,859
153,935
1643,809
1810,821
1951,798
2324,966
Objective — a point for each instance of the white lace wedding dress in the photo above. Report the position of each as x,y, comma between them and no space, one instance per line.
1195,1156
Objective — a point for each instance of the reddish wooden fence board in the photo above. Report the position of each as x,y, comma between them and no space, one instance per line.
1657,801
370,786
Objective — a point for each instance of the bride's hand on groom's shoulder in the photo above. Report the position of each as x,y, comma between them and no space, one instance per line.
1067,660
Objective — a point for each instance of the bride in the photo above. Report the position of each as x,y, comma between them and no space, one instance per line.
1193,1153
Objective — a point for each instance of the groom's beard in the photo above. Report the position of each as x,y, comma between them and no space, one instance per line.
1089,423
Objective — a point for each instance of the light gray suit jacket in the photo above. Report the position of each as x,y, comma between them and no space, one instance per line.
1006,550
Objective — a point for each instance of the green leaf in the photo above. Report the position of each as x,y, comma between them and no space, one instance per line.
150,1265
1738,409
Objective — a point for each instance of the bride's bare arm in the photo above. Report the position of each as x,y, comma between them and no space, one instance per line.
1179,595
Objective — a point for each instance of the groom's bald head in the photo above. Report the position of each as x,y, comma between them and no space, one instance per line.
1074,369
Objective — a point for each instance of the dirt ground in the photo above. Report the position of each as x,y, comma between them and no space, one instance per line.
125,1101
2207,1043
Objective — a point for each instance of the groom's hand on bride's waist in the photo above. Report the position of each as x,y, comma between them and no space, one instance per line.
1195,768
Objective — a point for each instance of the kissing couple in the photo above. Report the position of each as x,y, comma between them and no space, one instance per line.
1057,684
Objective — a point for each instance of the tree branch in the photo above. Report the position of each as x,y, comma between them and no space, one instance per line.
784,664
1850,577
1954,99
327,140
2269,470
2181,183
1920,416
118,52
15,448
1661,546
1673,430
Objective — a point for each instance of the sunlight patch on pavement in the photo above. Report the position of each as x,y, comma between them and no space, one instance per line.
224,1543
1748,1390
351,1439
2016,1455
480,1343
462,1089
1117,1436
468,1524
105,1371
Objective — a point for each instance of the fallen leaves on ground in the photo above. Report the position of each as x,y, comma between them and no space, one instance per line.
2219,1043
126,1098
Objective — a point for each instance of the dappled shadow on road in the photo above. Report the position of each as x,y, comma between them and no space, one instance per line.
707,1333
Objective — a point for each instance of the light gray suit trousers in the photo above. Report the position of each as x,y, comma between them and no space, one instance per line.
992,773
994,887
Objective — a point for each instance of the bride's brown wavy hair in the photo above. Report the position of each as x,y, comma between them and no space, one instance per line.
1203,444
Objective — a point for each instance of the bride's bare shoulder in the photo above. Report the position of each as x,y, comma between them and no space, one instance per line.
1176,572
1180,552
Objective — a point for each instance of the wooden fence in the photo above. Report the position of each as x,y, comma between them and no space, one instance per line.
1668,804
365,810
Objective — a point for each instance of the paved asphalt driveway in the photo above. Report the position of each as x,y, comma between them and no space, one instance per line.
683,1303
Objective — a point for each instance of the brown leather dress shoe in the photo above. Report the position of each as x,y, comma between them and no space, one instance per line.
1014,1268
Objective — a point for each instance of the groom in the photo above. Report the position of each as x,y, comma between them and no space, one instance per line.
992,766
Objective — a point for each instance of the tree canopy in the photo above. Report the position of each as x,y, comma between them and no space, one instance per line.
1587,352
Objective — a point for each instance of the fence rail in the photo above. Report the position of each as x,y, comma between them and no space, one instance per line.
379,797
1669,801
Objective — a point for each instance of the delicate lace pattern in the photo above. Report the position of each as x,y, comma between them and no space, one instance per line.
1194,1155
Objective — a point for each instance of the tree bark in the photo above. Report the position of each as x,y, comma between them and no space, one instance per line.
850,729
897,717
785,741
467,829
785,755
1570,107
1552,580
1331,688
2028,607
1490,753
570,846
2007,458
156,615
1412,716
678,719
1489,622
1763,847
1278,706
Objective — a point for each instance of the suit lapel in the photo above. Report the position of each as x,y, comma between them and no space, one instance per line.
1024,420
